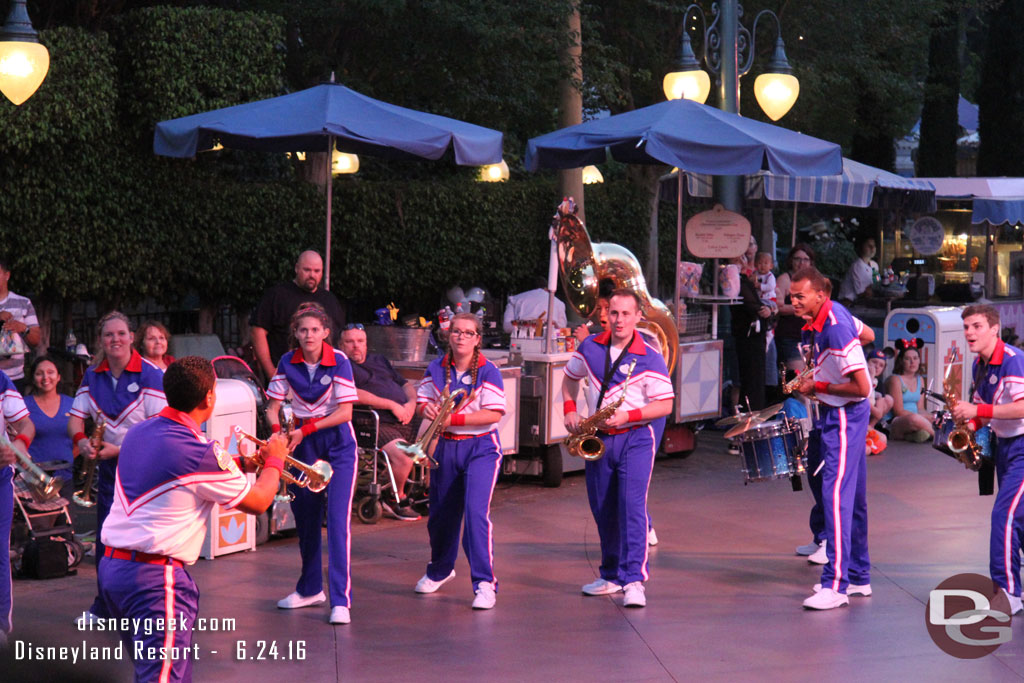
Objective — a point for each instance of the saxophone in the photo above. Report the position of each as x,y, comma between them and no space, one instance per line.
83,496
961,441
586,443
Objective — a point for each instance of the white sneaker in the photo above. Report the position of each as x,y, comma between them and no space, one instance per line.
635,596
340,615
485,597
652,536
85,620
601,587
826,599
428,585
852,589
295,600
819,556
1015,603
809,549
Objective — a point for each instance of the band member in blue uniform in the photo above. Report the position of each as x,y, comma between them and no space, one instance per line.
319,379
841,385
617,483
14,413
123,389
998,376
168,477
469,459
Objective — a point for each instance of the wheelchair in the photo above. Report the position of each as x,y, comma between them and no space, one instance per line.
375,477
38,523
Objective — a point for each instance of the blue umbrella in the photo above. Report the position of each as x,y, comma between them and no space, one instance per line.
688,135
324,117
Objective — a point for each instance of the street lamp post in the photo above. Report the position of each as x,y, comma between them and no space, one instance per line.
728,49
23,60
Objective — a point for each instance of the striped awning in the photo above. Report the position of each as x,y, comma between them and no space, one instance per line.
993,200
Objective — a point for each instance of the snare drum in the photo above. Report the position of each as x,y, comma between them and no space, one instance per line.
773,451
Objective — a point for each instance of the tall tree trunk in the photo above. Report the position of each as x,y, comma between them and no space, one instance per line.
1001,95
936,154
570,107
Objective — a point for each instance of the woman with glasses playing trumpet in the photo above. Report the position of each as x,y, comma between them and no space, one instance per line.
468,456
320,380
14,413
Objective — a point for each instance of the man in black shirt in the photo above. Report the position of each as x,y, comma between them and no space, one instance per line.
380,387
272,316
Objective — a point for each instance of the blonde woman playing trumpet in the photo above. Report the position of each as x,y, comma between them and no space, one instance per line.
469,459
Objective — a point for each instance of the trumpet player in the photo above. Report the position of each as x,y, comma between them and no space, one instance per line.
319,378
841,385
469,459
998,400
617,483
168,478
14,413
123,389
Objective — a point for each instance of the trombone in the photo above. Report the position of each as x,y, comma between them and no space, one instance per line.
418,451
83,496
314,477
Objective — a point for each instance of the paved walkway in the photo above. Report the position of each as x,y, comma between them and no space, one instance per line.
723,601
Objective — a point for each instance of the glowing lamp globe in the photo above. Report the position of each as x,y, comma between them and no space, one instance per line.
687,85
23,61
344,163
592,175
494,173
776,93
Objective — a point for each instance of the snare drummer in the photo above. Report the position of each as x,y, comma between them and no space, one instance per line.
998,400
320,380
841,385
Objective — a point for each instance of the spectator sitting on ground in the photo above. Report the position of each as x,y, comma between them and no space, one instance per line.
381,388
909,420
881,403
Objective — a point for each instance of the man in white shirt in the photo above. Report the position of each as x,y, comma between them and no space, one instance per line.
527,307
18,316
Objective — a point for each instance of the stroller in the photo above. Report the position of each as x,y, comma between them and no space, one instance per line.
43,543
279,517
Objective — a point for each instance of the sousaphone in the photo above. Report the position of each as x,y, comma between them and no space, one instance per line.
585,265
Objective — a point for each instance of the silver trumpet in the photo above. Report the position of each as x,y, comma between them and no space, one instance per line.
313,477
41,485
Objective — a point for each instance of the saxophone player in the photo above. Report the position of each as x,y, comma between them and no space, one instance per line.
469,461
998,400
617,483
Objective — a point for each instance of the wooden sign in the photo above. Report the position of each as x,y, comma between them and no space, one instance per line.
717,234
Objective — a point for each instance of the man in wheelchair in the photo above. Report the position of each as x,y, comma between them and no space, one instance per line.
380,387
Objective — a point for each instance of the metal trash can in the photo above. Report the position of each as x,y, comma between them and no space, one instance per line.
398,343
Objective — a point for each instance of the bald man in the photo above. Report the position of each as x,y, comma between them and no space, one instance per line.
272,316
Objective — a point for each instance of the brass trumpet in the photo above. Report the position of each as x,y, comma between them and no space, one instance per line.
313,477
585,443
418,451
41,485
83,496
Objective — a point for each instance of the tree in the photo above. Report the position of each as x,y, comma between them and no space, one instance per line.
936,155
1001,95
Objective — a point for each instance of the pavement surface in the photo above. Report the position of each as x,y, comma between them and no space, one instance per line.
724,599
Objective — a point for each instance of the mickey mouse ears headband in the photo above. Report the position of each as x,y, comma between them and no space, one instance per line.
906,344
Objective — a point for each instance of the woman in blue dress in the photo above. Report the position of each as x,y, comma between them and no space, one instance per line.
50,411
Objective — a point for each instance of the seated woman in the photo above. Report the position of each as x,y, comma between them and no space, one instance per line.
152,341
910,421
49,411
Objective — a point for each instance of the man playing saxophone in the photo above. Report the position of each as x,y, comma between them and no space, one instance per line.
14,413
617,483
998,400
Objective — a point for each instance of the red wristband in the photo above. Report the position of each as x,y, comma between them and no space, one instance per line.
78,437
24,439
308,428
274,429
458,420
975,425
273,463
985,410
821,387
635,415
568,407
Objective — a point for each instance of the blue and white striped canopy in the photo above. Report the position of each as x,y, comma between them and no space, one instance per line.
859,185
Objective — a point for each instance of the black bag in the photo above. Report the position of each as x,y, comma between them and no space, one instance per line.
44,558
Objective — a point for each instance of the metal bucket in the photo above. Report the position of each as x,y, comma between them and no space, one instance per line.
398,343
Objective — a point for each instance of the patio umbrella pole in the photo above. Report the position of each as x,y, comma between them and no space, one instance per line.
330,196
792,241
679,242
